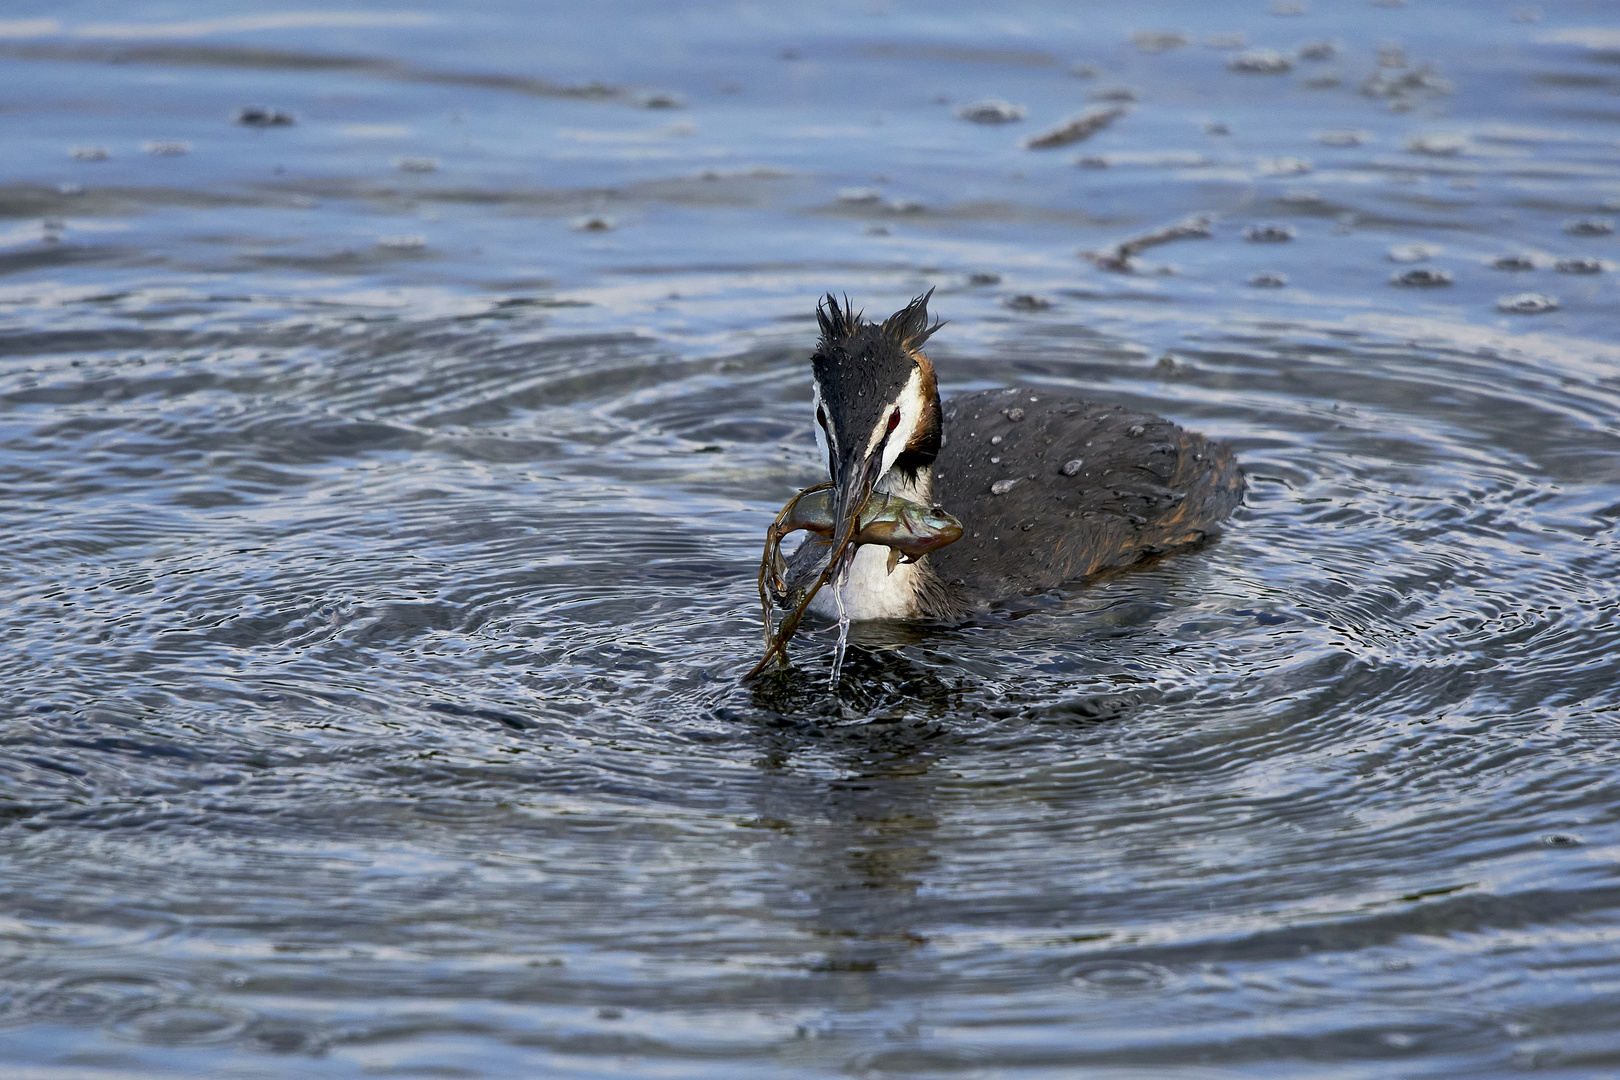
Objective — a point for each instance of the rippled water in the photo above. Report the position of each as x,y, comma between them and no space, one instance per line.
383,493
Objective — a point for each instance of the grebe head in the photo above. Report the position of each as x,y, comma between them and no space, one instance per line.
877,405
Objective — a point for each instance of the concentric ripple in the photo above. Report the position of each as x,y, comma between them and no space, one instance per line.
383,494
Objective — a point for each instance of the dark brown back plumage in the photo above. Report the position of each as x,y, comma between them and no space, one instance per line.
1143,486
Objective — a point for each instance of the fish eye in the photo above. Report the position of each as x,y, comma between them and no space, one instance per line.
894,420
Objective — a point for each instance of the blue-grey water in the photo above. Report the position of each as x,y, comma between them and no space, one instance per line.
382,486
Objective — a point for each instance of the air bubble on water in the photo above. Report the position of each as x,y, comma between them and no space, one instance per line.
1421,278
1583,265
1260,62
1527,304
994,111
1410,253
1268,234
1589,227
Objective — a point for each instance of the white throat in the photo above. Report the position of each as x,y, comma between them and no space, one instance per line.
871,591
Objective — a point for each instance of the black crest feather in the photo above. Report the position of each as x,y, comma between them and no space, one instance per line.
837,323
907,328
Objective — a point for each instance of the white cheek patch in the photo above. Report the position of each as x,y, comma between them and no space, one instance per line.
910,403
822,442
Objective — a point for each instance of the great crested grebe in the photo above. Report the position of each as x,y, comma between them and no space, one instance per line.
1049,488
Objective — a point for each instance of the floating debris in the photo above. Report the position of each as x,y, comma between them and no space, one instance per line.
402,242
1118,258
254,116
994,111
1026,302
1512,262
859,195
1283,166
593,223
416,164
1589,227
984,277
89,153
1080,128
1318,50
1344,137
1260,62
1437,145
1527,304
166,149
1157,41
1226,41
1581,265
1268,234
1268,281
1421,278
1411,253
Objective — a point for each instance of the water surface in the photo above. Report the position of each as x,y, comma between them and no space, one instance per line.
383,493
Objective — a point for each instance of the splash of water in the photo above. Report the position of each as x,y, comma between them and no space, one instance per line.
843,623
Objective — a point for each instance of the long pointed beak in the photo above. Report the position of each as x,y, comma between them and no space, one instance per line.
852,486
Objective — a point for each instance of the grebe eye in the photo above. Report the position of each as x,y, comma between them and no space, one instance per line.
821,416
894,419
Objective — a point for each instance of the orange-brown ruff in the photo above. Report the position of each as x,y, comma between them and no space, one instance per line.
1049,488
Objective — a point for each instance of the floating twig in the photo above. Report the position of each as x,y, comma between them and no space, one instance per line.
1118,257
1080,128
